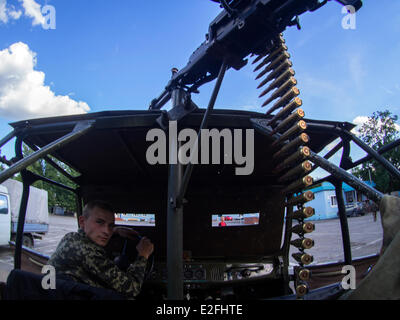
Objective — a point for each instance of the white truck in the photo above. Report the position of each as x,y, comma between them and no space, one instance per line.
37,213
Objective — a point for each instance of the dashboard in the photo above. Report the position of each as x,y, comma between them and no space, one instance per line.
213,272
218,280
205,278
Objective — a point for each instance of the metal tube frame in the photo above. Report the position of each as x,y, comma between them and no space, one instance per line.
23,163
28,178
286,246
343,221
344,176
204,123
334,150
176,183
383,161
175,218
21,218
177,186
55,183
381,151
175,234
7,138
337,176
79,204
346,135
54,165
345,161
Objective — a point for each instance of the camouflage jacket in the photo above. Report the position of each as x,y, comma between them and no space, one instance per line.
86,262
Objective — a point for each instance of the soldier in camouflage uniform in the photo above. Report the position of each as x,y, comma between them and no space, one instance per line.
81,255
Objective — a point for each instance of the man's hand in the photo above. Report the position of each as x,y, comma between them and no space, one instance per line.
145,247
126,232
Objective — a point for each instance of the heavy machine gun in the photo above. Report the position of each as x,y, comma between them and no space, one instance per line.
244,27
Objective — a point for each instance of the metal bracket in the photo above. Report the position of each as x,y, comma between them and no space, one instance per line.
177,113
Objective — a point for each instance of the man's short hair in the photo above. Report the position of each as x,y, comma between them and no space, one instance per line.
96,204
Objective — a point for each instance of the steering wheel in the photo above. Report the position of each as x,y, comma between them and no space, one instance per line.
122,261
127,257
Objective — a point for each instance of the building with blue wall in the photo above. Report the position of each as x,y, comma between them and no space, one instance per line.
325,202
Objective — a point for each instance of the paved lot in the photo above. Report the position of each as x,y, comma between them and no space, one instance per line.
58,227
366,239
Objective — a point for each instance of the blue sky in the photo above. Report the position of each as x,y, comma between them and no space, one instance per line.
117,55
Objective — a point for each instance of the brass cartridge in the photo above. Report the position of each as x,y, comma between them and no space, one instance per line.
304,274
294,144
278,51
306,243
303,213
296,157
286,110
303,258
292,93
286,64
297,128
282,90
300,170
282,55
307,227
295,116
298,185
301,289
302,198
279,81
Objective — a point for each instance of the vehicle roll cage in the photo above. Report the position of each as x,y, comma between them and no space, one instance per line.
178,181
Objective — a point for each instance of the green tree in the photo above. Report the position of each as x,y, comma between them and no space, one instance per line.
380,129
60,196
56,195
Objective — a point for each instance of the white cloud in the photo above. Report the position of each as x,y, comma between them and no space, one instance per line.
14,14
3,11
7,12
360,120
23,93
31,9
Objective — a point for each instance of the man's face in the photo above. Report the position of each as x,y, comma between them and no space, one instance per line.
98,226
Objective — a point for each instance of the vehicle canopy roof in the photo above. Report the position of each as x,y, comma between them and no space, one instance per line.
112,166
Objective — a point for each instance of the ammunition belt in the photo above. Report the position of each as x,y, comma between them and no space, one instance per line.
290,150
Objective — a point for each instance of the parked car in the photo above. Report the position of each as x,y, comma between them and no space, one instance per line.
356,210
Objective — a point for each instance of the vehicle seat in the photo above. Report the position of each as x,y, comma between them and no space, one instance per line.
23,285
